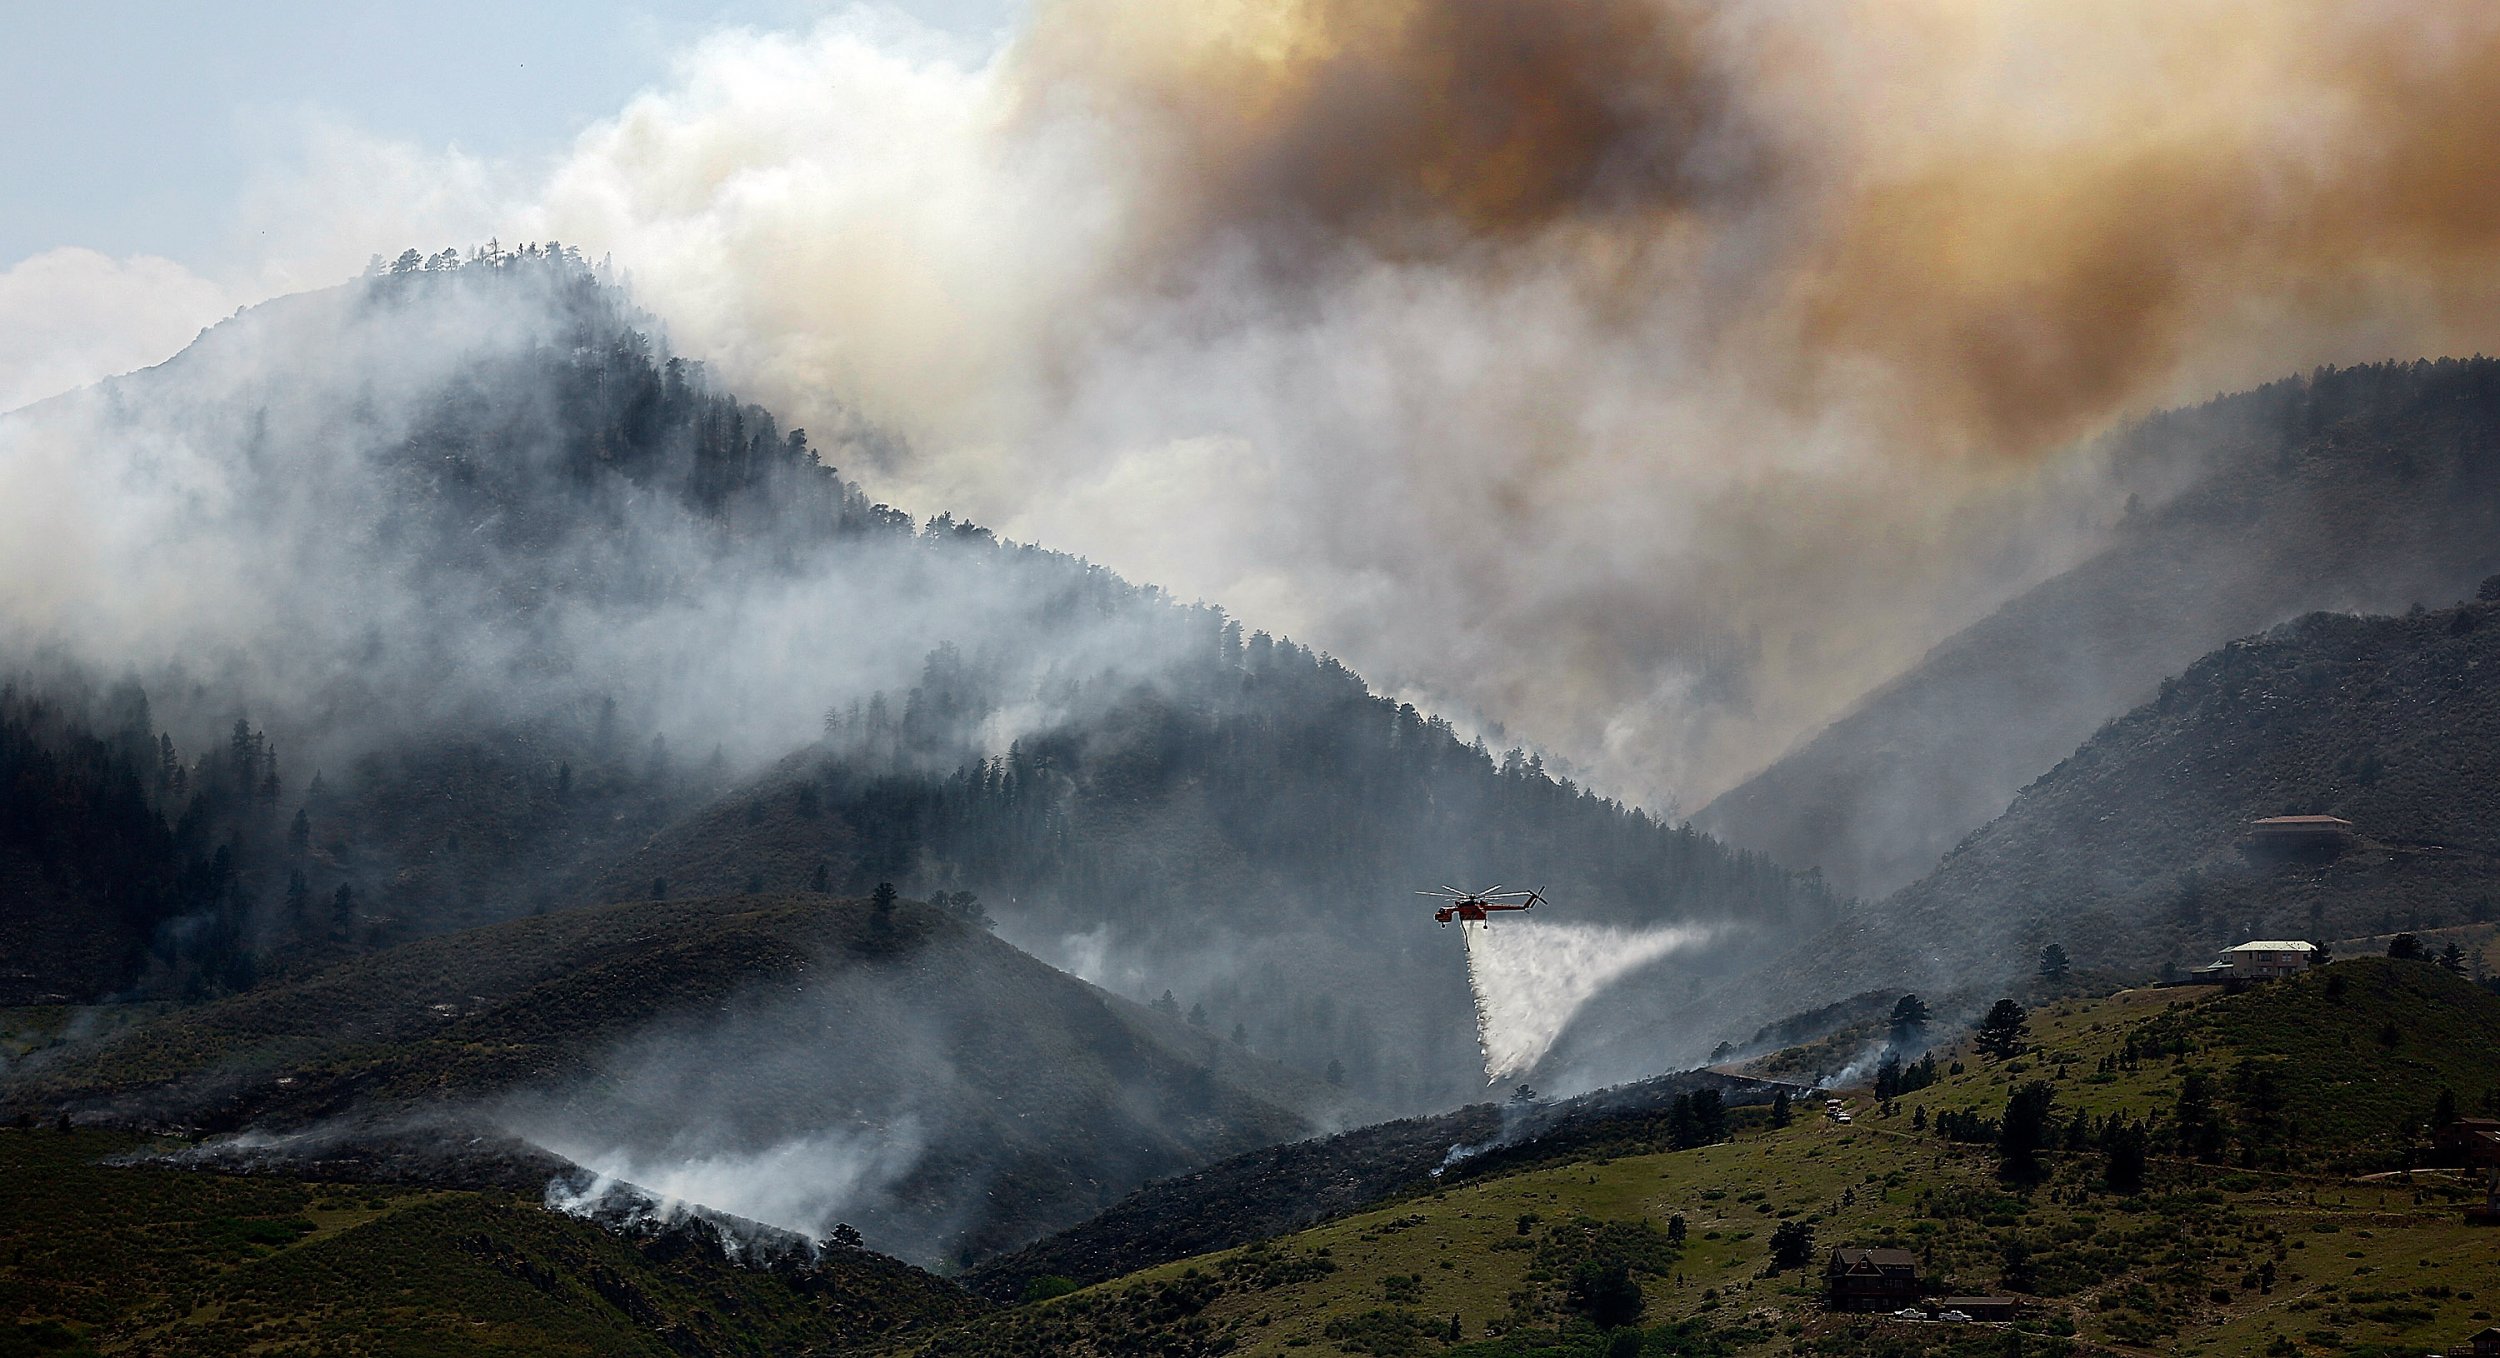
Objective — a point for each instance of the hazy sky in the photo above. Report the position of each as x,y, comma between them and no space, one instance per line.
141,126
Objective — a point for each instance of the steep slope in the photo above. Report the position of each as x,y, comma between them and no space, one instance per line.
795,1060
2364,489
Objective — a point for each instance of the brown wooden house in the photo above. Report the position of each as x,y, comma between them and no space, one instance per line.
1871,1280
2472,1142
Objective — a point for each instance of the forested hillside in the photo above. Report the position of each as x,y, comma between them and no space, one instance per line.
499,608
2363,489
1256,804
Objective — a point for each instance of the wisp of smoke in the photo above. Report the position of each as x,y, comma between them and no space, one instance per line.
804,1184
1531,976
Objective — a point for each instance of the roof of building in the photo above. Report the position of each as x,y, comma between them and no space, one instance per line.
2305,822
1950,1302
2274,945
1847,1257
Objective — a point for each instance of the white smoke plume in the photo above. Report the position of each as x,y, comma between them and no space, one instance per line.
805,1184
1531,976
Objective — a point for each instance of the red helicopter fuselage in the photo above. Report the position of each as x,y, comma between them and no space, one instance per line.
1471,910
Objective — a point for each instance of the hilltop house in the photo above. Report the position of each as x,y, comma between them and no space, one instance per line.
2484,1345
2261,960
1871,1280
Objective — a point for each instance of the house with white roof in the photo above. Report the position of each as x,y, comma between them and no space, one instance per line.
2261,960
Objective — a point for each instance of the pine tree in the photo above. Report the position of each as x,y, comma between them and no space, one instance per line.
2001,1032
2025,1130
1792,1245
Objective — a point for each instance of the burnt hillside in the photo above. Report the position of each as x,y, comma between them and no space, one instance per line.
954,1096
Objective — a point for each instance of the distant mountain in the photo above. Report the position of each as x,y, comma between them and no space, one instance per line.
2134,853
451,596
794,1059
2361,489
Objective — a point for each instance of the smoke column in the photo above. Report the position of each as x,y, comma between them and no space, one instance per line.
1530,978
1751,334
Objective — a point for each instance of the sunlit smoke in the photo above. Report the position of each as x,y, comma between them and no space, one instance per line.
1531,976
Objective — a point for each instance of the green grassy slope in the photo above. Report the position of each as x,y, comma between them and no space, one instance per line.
1026,1099
108,1258
2212,1257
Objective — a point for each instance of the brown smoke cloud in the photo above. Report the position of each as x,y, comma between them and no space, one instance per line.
2022,218
1650,376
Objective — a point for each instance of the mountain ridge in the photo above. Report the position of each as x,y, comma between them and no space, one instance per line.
2357,489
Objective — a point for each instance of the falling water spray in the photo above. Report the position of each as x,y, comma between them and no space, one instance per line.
1530,977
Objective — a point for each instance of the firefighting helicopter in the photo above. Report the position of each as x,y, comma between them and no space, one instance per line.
1475,906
